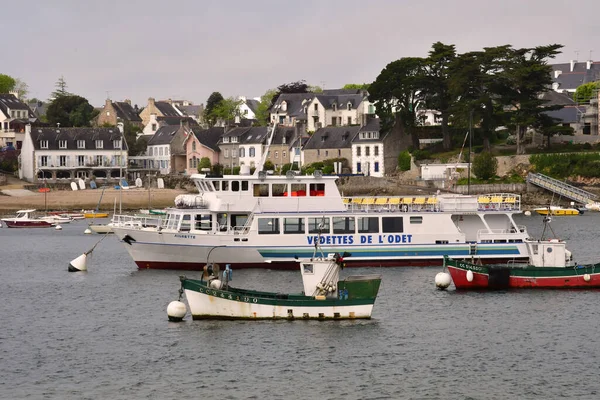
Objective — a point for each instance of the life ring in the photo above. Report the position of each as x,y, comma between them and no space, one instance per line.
405,207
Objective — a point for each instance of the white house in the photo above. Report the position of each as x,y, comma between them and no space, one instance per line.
338,108
65,154
14,116
248,107
159,148
368,151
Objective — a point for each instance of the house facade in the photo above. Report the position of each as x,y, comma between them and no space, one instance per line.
338,108
200,143
330,142
14,116
248,107
567,77
118,111
290,108
160,109
369,151
166,151
66,154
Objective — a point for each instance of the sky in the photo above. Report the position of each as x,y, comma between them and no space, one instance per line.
130,49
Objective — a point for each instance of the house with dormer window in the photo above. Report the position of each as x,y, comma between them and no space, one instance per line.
328,143
339,107
14,116
67,154
291,109
114,112
200,143
373,154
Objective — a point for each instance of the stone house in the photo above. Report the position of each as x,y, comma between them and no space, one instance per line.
330,142
118,111
65,154
160,109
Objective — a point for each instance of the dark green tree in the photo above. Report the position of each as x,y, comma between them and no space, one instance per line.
359,86
262,111
209,111
292,87
61,89
7,83
135,147
226,110
268,166
70,111
396,95
204,163
485,165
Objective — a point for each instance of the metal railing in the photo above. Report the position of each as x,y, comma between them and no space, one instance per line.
561,188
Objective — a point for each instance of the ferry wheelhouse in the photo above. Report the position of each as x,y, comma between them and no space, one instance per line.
246,220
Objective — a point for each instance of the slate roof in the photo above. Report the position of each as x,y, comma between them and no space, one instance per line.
10,102
191,110
167,109
337,92
568,114
283,132
557,98
209,137
372,126
295,108
252,104
72,135
164,135
126,112
332,137
38,108
570,80
254,135
341,100
171,120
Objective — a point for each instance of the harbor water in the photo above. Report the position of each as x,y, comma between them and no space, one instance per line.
104,333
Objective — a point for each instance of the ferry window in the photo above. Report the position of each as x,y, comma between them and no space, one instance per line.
244,186
315,223
416,220
279,189
222,222
368,225
308,268
317,189
261,190
185,223
238,220
172,221
235,186
203,222
500,241
268,226
225,186
343,225
298,189
293,225
217,185
441,242
391,224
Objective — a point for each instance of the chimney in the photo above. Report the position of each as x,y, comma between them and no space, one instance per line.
573,64
14,93
127,101
557,73
107,103
589,64
150,101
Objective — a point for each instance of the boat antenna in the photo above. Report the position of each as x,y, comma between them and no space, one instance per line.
546,220
318,240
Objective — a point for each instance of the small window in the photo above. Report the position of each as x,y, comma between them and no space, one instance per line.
217,185
319,224
251,152
349,120
117,143
368,225
226,153
62,161
43,144
203,222
99,144
283,154
392,225
225,186
186,223
293,225
80,161
343,225
367,151
279,189
376,150
62,144
261,190
235,186
317,189
358,168
376,166
226,139
234,139
242,152
276,154
193,145
268,226
244,186
308,268
153,127
358,151
416,220
298,189
81,144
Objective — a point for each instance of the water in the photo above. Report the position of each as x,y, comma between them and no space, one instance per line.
104,333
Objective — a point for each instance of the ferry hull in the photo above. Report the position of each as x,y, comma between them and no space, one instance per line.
535,277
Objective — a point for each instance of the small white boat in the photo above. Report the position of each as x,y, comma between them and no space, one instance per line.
101,228
25,219
56,219
325,296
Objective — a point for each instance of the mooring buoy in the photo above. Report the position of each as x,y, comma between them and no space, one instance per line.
442,280
78,264
176,311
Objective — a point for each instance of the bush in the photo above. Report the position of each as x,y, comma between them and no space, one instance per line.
485,165
404,161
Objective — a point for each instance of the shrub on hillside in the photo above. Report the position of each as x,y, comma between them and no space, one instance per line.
404,161
485,165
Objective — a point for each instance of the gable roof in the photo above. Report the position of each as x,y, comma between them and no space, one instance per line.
9,101
126,112
332,137
252,104
570,80
164,135
553,98
295,108
284,132
341,100
178,120
567,114
167,109
209,137
72,135
191,110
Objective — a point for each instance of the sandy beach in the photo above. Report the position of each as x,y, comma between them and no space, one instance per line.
131,199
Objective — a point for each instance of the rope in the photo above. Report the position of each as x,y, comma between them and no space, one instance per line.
97,243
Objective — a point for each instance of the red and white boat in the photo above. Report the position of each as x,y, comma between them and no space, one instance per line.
25,219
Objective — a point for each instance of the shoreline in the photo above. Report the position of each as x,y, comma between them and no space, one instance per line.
130,199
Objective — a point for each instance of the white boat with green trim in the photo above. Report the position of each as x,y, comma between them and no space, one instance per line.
325,296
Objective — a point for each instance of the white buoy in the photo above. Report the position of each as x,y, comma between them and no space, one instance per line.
78,264
587,277
442,280
87,231
469,276
527,213
58,228
176,311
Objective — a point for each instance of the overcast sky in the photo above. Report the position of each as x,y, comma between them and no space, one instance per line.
188,49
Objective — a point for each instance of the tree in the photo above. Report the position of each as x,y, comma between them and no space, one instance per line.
585,92
485,165
61,89
226,110
268,166
213,100
22,89
134,146
204,163
70,111
292,87
358,86
262,111
396,94
7,83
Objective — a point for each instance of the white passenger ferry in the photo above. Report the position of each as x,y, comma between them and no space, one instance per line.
245,220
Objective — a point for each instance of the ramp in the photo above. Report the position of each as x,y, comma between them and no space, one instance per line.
561,188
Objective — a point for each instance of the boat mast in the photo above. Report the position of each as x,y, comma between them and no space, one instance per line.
265,153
